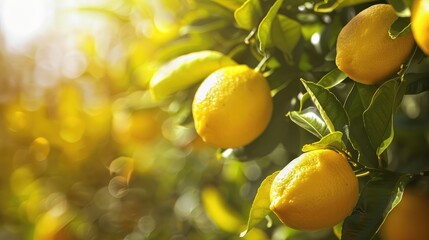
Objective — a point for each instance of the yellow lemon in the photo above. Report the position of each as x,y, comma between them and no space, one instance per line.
366,52
232,107
420,23
409,220
316,190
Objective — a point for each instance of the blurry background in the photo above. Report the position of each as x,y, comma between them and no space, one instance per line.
84,152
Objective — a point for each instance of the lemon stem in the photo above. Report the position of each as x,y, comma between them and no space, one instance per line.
363,174
250,36
262,63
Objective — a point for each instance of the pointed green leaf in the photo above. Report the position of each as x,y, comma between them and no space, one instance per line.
328,105
264,29
402,7
230,4
327,6
347,3
310,120
286,33
332,78
332,140
400,26
416,83
337,229
179,73
357,101
378,117
377,198
261,203
248,15
400,92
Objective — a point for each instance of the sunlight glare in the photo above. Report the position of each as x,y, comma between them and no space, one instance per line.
21,20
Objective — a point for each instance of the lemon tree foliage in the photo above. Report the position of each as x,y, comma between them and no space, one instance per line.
338,73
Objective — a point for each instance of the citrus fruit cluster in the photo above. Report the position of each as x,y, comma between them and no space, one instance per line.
316,190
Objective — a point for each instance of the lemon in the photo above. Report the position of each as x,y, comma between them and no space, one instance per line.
409,220
316,190
232,107
366,52
420,23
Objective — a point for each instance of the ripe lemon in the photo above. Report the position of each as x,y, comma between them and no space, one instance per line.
366,52
409,220
232,107
316,190
420,23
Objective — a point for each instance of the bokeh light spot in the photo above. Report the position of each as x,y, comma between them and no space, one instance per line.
40,148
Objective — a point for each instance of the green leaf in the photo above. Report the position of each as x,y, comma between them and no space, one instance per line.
329,80
378,117
180,73
261,204
417,83
248,15
230,4
310,120
285,33
293,4
332,140
332,78
337,229
377,198
357,101
400,92
348,3
402,7
264,29
327,6
328,105
400,26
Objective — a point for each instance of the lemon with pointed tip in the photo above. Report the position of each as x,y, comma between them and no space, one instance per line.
232,107
366,52
316,190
